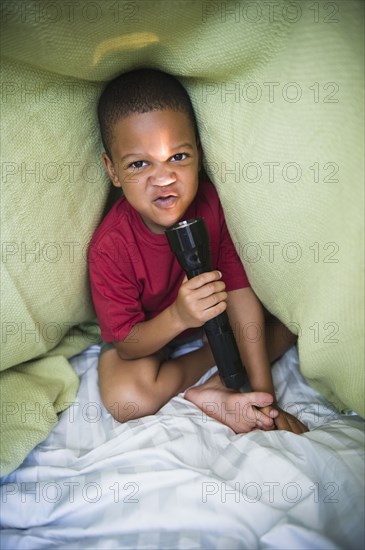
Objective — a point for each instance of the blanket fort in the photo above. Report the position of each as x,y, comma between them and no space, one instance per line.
278,92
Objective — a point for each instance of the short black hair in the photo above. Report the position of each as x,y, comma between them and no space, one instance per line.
140,91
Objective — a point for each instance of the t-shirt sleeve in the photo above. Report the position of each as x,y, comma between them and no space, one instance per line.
229,263
114,290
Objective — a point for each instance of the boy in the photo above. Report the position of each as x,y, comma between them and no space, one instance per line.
145,305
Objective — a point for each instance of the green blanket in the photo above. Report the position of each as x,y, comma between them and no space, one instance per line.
278,92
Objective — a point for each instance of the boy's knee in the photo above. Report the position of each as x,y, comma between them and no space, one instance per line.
127,386
129,404
122,410
127,398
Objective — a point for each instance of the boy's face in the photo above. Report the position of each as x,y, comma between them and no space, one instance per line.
155,160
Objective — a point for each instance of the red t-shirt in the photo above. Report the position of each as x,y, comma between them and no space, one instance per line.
134,275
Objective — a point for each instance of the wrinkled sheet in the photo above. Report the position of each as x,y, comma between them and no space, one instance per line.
181,480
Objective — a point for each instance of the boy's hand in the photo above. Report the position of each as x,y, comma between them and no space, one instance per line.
200,299
284,420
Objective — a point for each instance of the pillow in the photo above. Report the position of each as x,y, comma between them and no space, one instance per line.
53,192
278,96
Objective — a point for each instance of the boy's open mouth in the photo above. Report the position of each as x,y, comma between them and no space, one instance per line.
165,201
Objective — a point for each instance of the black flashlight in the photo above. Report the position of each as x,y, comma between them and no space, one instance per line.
189,241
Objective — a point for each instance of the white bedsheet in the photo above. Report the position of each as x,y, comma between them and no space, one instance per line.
180,480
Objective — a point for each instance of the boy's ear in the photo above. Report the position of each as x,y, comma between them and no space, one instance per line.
110,169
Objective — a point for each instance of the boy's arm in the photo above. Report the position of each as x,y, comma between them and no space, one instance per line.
149,337
198,300
248,324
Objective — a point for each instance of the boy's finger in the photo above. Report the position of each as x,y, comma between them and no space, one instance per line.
204,278
271,411
255,414
263,421
290,424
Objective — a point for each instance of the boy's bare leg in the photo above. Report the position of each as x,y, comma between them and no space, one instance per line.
278,338
132,388
230,407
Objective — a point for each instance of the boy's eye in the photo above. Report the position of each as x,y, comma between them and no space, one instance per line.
137,164
179,156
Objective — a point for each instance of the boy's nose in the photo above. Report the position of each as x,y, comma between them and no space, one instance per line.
162,176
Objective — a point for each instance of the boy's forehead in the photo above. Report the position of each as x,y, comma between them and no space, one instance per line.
151,121
156,115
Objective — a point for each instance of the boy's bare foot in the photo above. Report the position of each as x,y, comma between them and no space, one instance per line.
237,410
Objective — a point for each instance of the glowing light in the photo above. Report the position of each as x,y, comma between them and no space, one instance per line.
131,41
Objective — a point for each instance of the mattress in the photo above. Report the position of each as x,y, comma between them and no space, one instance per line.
181,480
